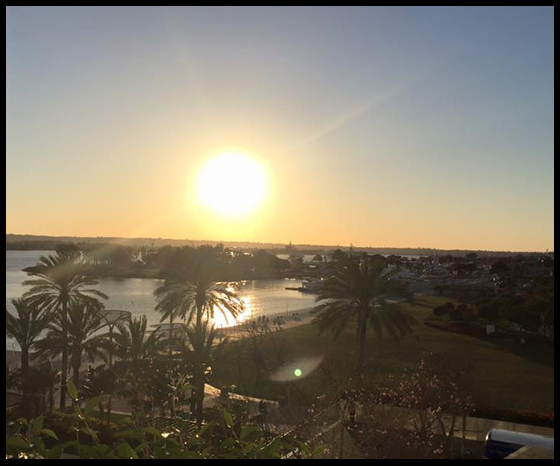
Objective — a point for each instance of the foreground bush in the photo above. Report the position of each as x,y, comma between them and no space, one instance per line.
222,438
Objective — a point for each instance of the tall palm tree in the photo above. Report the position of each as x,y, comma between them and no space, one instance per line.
195,297
58,282
200,353
78,332
25,327
362,290
136,348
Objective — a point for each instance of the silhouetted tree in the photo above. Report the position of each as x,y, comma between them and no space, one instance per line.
361,290
78,332
195,297
58,282
25,327
136,348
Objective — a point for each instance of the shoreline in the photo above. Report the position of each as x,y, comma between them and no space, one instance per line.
290,319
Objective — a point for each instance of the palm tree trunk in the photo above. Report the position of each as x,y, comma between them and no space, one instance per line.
76,364
199,387
25,368
362,333
51,398
198,348
110,402
64,368
109,408
170,336
101,413
25,379
171,399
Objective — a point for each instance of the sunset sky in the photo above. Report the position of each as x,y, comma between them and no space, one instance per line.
377,126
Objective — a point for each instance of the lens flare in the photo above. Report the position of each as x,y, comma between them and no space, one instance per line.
298,369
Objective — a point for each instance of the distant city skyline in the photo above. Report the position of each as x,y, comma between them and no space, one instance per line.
378,126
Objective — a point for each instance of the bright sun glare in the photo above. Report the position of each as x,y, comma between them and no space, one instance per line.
232,184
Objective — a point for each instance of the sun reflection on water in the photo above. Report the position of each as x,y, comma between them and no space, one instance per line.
221,321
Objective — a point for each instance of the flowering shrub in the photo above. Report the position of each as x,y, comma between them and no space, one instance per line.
417,419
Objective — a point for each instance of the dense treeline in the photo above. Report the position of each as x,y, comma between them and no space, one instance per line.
530,309
145,262
34,243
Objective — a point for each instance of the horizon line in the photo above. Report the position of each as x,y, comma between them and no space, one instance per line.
272,243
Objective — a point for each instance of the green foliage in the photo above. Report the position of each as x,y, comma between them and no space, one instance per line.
63,424
72,390
532,309
221,438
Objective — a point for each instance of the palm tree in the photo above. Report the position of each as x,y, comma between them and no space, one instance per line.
195,297
44,379
136,348
200,353
58,282
78,332
360,290
135,345
25,327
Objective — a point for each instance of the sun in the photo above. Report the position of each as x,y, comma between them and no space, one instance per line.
232,184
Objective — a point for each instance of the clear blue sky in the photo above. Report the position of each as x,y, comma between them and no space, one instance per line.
380,126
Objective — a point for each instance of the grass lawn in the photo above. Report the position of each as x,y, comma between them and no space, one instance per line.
500,377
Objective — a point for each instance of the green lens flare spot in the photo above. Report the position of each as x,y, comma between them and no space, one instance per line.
298,372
